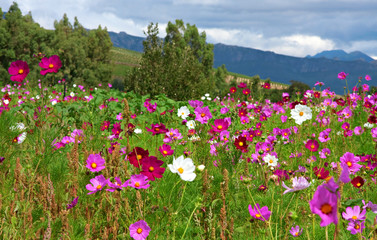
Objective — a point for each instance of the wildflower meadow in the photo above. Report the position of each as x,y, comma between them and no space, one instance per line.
91,162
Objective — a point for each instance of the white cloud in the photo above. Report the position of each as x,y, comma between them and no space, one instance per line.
294,45
197,2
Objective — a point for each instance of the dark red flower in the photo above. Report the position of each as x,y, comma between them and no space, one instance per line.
372,119
241,144
246,91
137,156
242,112
357,182
321,173
151,168
157,129
233,89
105,125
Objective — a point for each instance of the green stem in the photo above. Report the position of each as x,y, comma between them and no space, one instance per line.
188,222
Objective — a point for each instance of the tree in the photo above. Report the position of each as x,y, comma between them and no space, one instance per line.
179,66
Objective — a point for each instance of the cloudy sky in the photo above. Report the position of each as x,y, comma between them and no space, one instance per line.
290,27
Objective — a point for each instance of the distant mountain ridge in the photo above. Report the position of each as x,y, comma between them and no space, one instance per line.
277,67
343,56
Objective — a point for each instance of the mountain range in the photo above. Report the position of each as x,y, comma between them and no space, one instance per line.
323,67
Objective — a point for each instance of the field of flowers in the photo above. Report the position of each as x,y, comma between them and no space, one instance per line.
96,163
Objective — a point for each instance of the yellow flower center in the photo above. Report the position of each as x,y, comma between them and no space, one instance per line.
157,129
358,184
354,217
99,186
240,144
171,134
349,164
202,115
151,169
183,113
219,127
301,114
165,152
180,170
51,65
94,165
139,230
357,226
21,71
258,215
139,157
312,146
137,184
271,161
326,208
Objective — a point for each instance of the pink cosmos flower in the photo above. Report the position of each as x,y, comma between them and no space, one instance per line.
152,168
19,70
67,139
324,204
342,75
138,181
139,230
324,153
224,110
95,163
51,64
296,231
262,214
353,214
79,134
297,185
98,183
351,161
73,203
358,130
220,125
374,132
119,116
283,118
157,128
324,135
117,185
368,78
312,145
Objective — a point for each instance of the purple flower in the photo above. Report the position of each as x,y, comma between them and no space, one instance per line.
297,185
118,185
73,203
139,230
2,159
138,181
324,136
353,214
358,130
95,163
224,110
324,153
98,183
324,204
355,227
342,75
259,213
374,132
296,231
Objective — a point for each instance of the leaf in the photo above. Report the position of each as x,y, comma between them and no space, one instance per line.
239,230
352,202
370,216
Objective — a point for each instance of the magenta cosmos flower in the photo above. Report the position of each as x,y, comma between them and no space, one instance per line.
138,181
19,70
98,183
312,145
324,204
203,114
157,129
342,75
355,227
95,163
220,125
117,185
166,150
139,230
259,213
51,64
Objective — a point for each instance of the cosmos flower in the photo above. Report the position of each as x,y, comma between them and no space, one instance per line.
97,184
19,70
312,145
296,231
73,203
137,155
166,150
95,163
358,182
152,168
324,204
184,167
297,185
262,214
352,162
301,113
139,230
355,227
271,160
138,181
342,75
353,214
50,65
183,112
202,114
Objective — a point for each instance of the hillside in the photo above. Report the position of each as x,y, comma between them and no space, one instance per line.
280,68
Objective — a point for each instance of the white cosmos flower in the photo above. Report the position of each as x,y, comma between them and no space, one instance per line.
207,94
21,138
72,94
297,184
183,112
6,101
368,125
301,113
184,167
138,131
203,98
271,160
201,167
191,124
19,127
53,102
